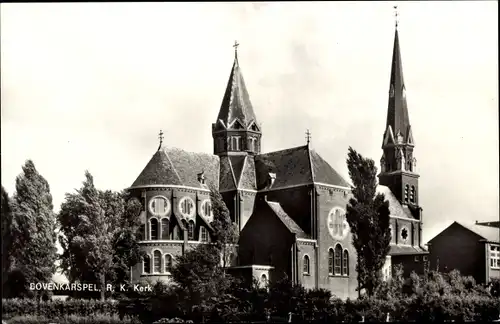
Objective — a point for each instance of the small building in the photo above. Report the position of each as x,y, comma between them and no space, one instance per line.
473,249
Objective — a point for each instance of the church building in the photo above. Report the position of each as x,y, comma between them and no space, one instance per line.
288,205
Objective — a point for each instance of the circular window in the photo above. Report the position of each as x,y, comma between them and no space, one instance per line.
159,206
337,223
206,210
186,207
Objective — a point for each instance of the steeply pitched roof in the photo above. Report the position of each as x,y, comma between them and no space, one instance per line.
247,178
173,166
395,206
286,220
397,113
295,166
236,103
324,173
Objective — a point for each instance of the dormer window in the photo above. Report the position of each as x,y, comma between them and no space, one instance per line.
201,177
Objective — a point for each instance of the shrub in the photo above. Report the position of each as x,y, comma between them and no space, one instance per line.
58,308
73,319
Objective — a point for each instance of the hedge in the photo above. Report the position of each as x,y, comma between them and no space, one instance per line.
58,308
433,308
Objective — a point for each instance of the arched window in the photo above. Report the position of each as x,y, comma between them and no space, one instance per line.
406,193
306,265
203,234
330,261
412,194
263,279
168,263
153,222
338,260
191,230
146,264
157,261
164,229
345,263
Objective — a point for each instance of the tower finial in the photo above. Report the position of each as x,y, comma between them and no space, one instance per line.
236,44
396,14
308,136
160,136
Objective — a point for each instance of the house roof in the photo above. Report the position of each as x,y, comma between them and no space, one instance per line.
488,233
173,166
286,220
295,166
395,207
406,250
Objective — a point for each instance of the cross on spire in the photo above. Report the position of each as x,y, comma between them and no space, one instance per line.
308,136
160,136
236,44
396,14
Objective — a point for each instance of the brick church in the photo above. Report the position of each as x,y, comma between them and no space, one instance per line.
288,205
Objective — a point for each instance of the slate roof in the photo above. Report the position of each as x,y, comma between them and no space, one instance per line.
488,233
236,103
406,250
286,220
395,206
173,166
295,166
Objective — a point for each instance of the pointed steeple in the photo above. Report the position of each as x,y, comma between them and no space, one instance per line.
236,110
236,129
397,113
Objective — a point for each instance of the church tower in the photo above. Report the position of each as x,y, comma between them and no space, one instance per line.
398,164
236,131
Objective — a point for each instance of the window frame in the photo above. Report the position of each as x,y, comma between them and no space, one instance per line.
345,263
331,261
337,261
162,234
306,265
151,229
148,258
168,265
494,256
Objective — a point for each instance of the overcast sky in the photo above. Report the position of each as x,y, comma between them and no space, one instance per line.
89,86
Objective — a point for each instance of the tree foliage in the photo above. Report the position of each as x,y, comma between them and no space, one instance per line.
98,238
6,214
200,272
225,235
368,216
32,232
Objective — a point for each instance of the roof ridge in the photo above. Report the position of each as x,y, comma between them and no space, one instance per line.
284,150
173,167
165,149
242,171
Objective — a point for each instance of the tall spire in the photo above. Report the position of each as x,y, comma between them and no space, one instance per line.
236,105
236,130
397,113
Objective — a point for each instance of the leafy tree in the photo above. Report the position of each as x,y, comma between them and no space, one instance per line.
6,214
225,235
368,216
200,272
33,244
98,238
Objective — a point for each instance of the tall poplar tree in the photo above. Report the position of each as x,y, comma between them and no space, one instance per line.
368,216
33,232
6,214
98,235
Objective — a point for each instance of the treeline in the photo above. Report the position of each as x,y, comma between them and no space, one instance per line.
96,229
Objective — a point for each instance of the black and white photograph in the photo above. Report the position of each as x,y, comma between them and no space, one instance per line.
250,162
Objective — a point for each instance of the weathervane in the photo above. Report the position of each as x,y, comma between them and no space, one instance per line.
396,15
236,44
308,136
160,136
